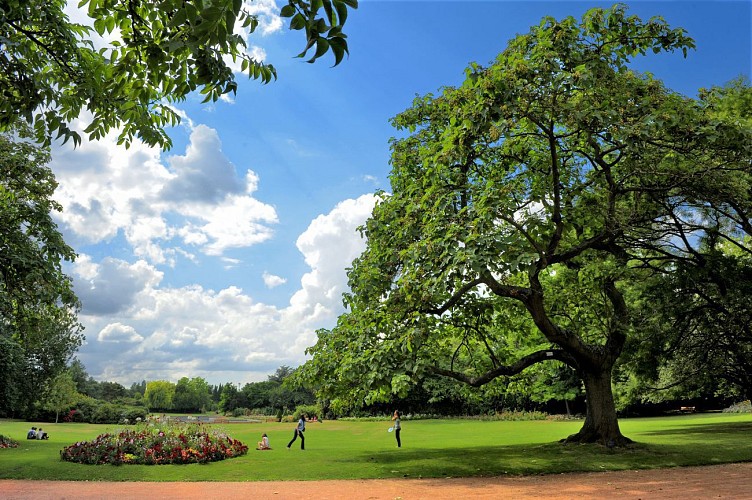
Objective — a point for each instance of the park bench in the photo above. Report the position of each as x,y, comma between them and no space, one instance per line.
687,409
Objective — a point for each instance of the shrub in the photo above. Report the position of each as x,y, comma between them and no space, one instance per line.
6,442
156,444
73,416
240,412
308,410
133,413
743,407
106,413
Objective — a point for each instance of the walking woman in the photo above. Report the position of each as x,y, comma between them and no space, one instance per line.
397,427
299,430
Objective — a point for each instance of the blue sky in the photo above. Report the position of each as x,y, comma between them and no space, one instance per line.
221,257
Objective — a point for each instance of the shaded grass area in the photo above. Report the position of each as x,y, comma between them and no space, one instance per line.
431,448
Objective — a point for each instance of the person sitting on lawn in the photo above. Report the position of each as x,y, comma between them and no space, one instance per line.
42,435
264,443
32,434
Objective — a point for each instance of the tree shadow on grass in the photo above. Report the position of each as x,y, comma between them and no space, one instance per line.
738,429
692,445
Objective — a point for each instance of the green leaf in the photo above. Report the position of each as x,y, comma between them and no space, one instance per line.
329,12
298,22
287,11
341,12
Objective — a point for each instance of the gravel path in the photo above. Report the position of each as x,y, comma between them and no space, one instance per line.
733,481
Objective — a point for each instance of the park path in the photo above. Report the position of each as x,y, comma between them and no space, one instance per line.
732,481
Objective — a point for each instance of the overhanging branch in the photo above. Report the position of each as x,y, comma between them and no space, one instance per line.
506,370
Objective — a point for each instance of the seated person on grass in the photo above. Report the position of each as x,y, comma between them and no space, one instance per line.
264,443
32,434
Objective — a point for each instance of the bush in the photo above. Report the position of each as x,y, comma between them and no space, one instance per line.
240,412
95,411
85,408
309,411
133,413
156,444
743,407
106,413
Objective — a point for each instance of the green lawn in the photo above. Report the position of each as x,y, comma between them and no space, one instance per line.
430,448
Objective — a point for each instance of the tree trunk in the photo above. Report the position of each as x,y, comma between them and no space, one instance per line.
601,425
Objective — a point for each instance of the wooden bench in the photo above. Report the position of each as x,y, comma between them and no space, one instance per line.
687,409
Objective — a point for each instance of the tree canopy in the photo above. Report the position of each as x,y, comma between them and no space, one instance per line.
137,60
524,204
702,293
39,330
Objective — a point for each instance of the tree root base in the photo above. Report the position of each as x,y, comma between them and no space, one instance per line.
594,438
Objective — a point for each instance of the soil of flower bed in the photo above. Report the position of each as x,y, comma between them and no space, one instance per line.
731,481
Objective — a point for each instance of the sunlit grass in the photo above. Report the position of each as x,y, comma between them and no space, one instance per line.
431,448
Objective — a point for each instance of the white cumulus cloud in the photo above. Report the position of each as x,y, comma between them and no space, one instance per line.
163,208
273,281
166,332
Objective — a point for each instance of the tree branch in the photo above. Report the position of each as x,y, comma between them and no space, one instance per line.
507,370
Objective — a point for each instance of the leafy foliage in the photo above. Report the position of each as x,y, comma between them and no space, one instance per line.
524,205
60,394
139,58
695,335
39,330
191,395
159,394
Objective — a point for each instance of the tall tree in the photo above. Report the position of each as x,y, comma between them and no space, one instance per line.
523,201
59,394
191,395
699,330
159,394
38,322
231,398
51,69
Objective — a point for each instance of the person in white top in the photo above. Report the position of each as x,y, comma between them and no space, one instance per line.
299,430
397,427
264,443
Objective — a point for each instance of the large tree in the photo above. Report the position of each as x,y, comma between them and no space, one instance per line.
159,51
191,395
700,338
39,331
159,394
521,205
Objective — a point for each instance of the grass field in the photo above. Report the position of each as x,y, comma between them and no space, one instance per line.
430,448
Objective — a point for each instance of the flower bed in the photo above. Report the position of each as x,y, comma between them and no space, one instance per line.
151,444
6,442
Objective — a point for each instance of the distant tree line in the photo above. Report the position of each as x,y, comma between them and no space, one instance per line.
74,395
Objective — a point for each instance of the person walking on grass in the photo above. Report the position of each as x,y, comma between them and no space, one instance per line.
397,427
299,430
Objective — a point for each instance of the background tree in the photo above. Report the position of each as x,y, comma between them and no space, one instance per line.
231,399
59,394
159,394
138,388
38,308
191,395
51,69
527,200
257,395
111,391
